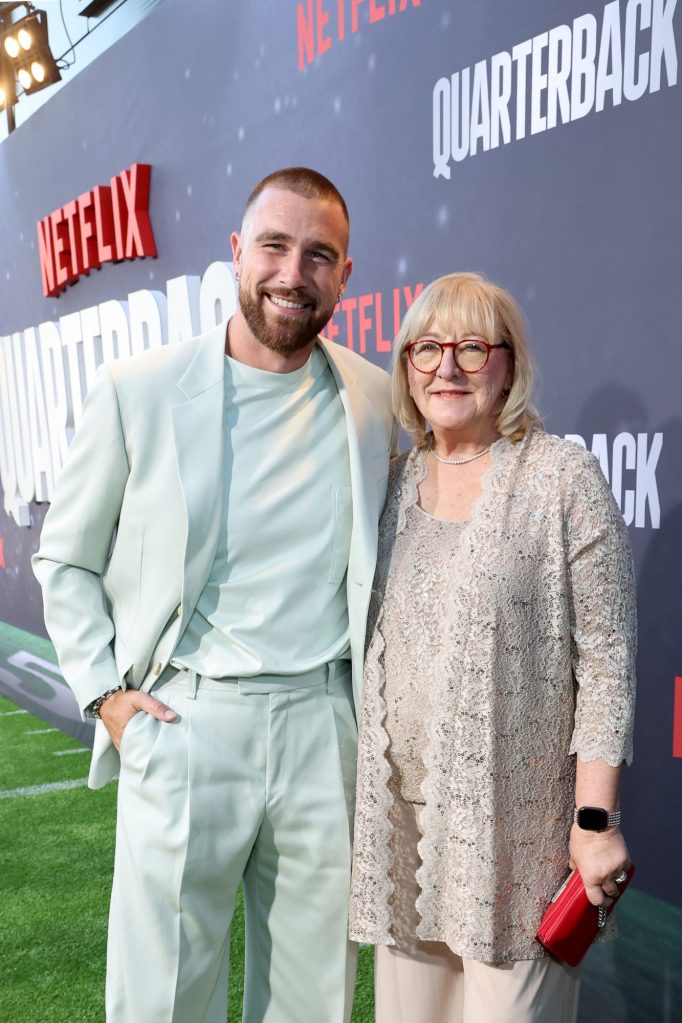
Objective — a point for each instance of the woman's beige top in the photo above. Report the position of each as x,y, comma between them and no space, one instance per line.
539,666
417,570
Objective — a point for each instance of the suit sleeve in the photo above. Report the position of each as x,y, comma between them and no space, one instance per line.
75,544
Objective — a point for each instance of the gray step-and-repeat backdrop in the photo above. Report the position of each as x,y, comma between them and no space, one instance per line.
536,142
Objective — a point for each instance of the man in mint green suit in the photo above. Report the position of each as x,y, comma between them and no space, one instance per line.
206,567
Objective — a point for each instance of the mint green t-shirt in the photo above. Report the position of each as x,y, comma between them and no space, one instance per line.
275,600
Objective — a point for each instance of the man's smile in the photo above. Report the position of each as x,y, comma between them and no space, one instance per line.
287,303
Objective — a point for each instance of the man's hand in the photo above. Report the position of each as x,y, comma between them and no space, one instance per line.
121,706
599,856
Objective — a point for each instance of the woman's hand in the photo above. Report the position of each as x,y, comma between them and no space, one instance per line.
599,856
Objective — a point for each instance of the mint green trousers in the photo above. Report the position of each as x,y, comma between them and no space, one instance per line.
252,782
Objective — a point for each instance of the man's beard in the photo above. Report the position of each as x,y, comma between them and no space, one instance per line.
286,334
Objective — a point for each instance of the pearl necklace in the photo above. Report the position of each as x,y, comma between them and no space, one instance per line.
460,461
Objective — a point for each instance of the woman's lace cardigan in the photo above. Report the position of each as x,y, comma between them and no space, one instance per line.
538,666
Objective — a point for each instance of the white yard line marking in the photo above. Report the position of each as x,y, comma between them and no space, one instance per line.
41,731
11,713
68,752
38,790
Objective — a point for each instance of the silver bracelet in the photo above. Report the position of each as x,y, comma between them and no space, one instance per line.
95,706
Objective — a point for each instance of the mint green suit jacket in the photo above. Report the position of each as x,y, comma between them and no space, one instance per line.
130,538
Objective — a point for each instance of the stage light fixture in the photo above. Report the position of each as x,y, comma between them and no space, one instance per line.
27,45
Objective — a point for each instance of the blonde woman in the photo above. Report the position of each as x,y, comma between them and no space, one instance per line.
499,680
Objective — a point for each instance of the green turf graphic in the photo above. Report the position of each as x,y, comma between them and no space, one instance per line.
29,676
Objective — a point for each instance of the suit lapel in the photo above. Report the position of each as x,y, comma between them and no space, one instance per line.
361,453
199,448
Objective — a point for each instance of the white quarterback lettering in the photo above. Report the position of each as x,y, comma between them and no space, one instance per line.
45,371
558,76
619,459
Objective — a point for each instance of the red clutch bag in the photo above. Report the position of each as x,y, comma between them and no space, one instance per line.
571,922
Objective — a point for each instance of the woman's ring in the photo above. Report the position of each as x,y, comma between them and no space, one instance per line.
621,877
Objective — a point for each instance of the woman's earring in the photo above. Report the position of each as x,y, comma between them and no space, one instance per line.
506,391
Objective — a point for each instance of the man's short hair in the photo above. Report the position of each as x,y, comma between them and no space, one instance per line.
303,181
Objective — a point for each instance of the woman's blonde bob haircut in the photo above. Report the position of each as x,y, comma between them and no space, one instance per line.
467,303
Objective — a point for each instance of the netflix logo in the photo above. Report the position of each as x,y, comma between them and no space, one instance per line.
110,223
368,323
320,23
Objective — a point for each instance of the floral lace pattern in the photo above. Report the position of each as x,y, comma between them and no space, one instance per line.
417,569
539,665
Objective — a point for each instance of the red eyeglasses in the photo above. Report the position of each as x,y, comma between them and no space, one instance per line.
470,354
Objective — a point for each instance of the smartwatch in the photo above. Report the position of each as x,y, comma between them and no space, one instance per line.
595,818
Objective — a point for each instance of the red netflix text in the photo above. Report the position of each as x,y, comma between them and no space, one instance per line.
368,323
108,224
319,23
677,719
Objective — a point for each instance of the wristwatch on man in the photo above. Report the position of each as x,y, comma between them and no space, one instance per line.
595,818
